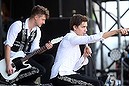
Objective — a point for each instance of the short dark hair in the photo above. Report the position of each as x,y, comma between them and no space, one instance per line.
39,10
77,19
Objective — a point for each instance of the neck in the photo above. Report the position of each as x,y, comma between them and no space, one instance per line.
31,24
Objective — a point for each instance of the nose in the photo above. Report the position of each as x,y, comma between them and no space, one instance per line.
43,22
85,29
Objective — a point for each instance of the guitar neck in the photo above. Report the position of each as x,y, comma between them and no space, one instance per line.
40,50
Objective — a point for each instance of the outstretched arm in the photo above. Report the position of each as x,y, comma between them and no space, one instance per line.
114,32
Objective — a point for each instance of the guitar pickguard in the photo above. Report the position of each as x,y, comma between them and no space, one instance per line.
18,64
18,67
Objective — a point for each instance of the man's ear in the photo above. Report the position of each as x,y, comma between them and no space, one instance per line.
74,27
36,16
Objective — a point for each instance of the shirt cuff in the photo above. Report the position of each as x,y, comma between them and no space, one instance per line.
6,43
101,34
85,61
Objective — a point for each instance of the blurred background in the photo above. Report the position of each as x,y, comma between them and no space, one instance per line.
109,56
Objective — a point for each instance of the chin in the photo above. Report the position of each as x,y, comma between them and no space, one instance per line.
39,26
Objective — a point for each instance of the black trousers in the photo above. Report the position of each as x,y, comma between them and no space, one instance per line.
75,79
43,62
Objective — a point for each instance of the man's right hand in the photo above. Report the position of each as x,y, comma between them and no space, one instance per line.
9,69
87,52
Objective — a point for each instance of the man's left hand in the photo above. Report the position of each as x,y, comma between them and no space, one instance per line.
49,45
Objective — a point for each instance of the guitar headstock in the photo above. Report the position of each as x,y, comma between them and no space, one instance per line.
56,40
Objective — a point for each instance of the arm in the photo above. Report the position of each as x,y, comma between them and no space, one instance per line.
77,40
13,31
83,60
86,53
9,68
113,32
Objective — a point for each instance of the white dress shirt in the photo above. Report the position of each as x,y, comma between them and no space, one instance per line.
68,58
13,31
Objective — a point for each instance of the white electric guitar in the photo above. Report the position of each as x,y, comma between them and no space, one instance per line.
19,59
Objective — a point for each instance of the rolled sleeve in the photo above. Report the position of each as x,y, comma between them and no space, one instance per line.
13,31
85,62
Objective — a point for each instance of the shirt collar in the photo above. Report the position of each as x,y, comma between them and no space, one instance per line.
71,31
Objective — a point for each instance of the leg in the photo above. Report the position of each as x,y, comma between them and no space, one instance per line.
75,79
29,80
46,61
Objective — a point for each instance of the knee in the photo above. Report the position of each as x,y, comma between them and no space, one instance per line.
41,70
50,59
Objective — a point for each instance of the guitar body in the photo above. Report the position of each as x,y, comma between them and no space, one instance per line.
19,59
18,66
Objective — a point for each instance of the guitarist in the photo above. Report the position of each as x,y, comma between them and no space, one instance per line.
25,36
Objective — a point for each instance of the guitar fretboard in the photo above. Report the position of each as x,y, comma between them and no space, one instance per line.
40,50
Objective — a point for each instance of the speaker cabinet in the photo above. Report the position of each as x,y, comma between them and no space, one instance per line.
52,5
54,27
69,7
22,8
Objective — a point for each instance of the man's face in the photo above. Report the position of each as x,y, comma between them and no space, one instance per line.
40,20
81,29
